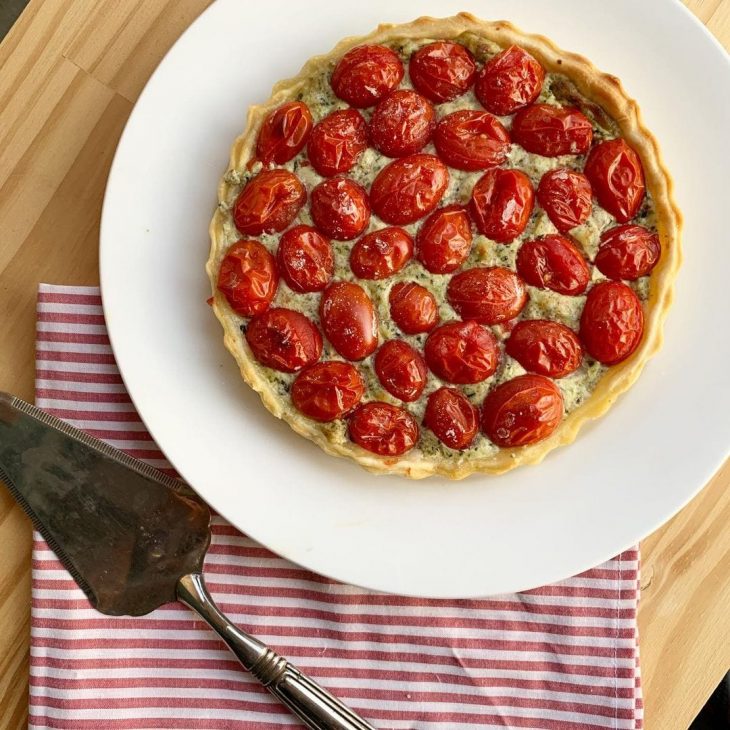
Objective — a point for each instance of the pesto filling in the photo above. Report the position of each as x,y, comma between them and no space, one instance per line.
542,303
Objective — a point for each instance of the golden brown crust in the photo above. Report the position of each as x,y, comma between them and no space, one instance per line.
602,88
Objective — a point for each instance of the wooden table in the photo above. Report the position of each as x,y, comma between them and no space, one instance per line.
71,71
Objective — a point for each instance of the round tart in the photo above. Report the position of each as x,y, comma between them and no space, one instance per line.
443,247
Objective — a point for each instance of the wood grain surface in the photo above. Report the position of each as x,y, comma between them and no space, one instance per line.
71,70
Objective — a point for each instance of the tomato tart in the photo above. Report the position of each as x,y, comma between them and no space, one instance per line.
443,247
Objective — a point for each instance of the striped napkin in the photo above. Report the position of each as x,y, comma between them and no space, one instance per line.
562,657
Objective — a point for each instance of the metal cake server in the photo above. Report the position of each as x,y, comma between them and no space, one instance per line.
134,539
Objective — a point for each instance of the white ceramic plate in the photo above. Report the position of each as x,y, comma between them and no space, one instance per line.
624,476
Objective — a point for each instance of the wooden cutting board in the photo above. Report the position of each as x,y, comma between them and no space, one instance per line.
71,71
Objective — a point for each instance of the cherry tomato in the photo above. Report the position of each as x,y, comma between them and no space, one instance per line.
337,142
284,133
545,347
441,71
553,262
365,74
444,240
380,254
471,140
552,130
340,208
487,295
612,322
413,308
348,319
617,177
407,189
327,390
462,352
501,204
269,202
401,370
284,340
510,80
402,123
452,418
248,278
383,428
305,259
566,197
627,252
522,411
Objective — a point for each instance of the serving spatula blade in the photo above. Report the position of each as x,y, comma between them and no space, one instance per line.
125,532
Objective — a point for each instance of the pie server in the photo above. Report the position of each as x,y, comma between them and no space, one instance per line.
134,539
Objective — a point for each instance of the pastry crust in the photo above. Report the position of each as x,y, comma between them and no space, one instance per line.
605,90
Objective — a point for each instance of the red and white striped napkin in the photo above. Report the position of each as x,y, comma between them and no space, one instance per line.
562,657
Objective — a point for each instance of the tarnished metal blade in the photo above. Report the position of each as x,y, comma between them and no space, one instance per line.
125,532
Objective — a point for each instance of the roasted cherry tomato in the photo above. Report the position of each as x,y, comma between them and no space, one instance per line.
471,140
380,254
383,428
269,202
462,352
340,208
413,308
488,295
407,189
552,130
305,259
248,278
510,80
444,240
402,123
566,197
553,262
452,418
501,204
612,322
365,74
522,411
627,252
284,340
284,133
617,177
545,347
327,390
337,142
348,319
441,71
401,370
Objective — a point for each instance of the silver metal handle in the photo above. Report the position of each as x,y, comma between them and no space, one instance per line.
316,707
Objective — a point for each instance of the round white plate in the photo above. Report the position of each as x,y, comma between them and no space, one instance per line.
624,476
